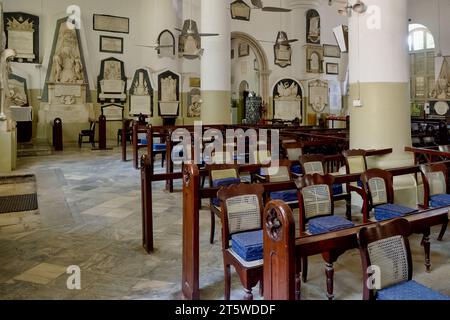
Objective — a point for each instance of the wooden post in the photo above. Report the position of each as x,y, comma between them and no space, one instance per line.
135,142
279,252
57,134
102,132
125,125
190,272
169,162
146,199
150,148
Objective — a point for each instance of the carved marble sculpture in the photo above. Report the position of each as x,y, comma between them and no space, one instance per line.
168,94
22,31
18,91
318,95
195,106
287,102
112,82
67,65
141,94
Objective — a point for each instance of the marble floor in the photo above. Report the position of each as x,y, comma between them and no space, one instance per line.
89,217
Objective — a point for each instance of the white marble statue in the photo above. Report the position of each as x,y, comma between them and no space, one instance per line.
169,89
6,122
285,90
141,88
67,66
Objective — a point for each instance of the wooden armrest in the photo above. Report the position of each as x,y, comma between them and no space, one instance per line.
260,178
363,194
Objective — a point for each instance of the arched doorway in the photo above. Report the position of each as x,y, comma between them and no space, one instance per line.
250,67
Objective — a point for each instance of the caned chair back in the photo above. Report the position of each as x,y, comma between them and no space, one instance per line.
293,150
282,173
378,184
312,164
315,197
242,207
262,156
435,179
221,171
385,250
445,148
355,161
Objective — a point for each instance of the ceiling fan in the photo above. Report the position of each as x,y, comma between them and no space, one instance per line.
156,47
190,28
258,4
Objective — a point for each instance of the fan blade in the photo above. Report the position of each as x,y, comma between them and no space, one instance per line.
275,9
208,34
178,29
266,41
257,3
288,41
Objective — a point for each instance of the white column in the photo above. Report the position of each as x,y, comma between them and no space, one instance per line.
379,79
216,62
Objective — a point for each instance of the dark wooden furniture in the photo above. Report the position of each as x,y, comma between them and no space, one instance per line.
102,132
355,161
217,172
57,134
378,188
282,250
236,219
90,133
315,163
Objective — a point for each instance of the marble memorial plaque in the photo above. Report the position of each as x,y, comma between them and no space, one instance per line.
112,86
112,112
288,110
64,90
169,108
22,42
140,104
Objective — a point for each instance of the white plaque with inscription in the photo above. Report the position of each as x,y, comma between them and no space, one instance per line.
22,43
113,86
140,104
67,90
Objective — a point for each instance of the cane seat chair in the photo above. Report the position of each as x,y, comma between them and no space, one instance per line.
220,175
387,264
315,163
281,173
436,188
293,152
379,190
316,209
242,208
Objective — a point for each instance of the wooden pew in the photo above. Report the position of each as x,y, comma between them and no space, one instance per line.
192,195
283,250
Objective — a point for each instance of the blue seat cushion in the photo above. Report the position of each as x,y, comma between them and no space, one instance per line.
440,200
142,141
328,224
248,245
286,196
410,290
337,189
159,147
223,183
297,169
391,211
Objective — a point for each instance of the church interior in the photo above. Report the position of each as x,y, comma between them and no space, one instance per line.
224,150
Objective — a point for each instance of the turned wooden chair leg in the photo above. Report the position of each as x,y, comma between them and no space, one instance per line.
248,295
213,227
227,282
426,247
304,269
329,271
443,230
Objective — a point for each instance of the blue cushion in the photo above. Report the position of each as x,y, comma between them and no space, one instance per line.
286,196
159,147
391,211
223,183
297,169
410,290
248,245
440,200
142,141
337,189
328,224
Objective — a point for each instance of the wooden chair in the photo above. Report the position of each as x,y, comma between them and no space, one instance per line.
220,175
315,163
436,188
128,132
242,207
387,264
355,161
292,152
282,173
90,133
316,208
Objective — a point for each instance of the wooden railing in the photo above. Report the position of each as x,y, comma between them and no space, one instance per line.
428,155
283,250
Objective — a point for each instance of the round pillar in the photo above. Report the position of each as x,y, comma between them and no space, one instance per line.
216,63
380,115
379,80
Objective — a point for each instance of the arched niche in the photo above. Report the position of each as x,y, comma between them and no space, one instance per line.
288,99
166,44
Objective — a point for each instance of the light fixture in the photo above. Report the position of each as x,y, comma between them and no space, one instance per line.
358,7
240,10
